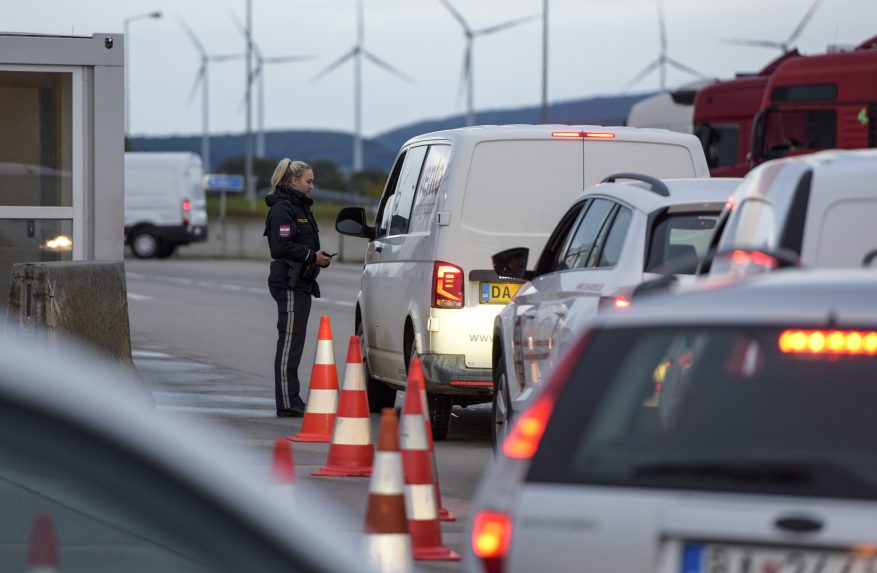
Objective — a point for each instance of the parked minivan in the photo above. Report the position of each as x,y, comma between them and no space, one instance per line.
165,204
813,210
453,198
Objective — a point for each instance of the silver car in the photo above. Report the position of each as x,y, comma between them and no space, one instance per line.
629,229
111,486
729,427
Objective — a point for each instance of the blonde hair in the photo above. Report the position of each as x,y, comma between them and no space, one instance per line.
287,169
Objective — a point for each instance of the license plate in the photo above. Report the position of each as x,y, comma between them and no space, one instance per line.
500,293
724,558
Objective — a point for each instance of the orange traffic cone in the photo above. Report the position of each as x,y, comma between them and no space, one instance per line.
319,415
388,544
43,555
423,521
351,452
415,368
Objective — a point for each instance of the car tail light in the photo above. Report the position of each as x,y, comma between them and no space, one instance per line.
615,302
491,533
187,211
830,342
447,286
528,428
741,261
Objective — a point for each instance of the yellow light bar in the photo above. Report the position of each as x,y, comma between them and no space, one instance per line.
832,342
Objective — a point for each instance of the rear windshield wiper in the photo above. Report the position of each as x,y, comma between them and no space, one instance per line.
757,471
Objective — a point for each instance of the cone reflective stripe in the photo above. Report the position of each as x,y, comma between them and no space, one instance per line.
351,452
416,369
319,418
388,543
420,498
42,556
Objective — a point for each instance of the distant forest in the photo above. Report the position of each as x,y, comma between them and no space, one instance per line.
379,152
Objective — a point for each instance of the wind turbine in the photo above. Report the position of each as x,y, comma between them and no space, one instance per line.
356,54
258,75
783,46
467,76
201,78
663,59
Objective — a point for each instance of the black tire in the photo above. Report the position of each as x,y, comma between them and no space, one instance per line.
439,414
380,395
145,244
165,250
501,413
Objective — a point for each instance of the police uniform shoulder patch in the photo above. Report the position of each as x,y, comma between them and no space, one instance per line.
302,220
284,231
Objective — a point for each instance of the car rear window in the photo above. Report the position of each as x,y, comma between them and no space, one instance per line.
679,240
732,408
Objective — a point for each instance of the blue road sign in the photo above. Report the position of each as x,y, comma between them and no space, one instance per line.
228,183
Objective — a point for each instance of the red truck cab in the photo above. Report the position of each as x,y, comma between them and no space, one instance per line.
723,115
819,102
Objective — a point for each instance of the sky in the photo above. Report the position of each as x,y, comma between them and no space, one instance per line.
595,48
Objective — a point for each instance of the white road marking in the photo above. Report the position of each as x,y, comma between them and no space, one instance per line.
132,296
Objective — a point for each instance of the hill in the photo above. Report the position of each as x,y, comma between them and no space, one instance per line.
379,151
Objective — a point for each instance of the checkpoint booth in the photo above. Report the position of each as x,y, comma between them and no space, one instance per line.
61,149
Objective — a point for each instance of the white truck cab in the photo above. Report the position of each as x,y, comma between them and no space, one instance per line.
453,198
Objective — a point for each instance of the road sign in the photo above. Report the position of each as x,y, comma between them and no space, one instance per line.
228,183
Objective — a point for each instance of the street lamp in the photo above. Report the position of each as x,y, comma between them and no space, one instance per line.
155,14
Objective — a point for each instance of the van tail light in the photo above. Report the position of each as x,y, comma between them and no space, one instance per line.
491,533
528,428
447,286
583,134
187,212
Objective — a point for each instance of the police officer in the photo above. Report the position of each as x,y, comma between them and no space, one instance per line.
295,249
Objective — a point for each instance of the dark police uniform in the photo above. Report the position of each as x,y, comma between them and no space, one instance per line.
294,241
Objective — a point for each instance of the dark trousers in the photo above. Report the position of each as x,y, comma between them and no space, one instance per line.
293,309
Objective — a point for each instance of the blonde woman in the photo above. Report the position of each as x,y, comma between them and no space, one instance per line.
293,238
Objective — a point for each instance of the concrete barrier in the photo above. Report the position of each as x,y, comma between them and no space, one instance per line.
84,300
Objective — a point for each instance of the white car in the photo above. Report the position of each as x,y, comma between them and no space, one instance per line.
127,489
729,427
629,229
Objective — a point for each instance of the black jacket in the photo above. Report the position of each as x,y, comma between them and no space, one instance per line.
292,237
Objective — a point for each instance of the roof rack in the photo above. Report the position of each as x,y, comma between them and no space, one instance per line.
655,185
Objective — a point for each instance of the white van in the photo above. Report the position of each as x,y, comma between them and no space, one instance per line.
453,198
814,210
165,203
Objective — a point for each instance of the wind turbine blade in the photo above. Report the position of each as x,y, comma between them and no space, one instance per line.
684,68
285,59
331,67
504,25
646,71
237,23
755,43
198,78
803,22
192,36
381,63
226,57
662,27
455,14
360,24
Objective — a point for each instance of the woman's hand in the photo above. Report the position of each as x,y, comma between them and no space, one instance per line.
322,258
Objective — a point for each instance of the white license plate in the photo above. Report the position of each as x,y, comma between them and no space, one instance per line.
727,558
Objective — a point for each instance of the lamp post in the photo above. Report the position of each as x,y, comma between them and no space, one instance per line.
155,14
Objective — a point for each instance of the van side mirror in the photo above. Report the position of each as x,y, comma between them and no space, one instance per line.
512,263
351,221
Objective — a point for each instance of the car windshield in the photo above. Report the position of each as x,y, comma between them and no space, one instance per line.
679,240
756,409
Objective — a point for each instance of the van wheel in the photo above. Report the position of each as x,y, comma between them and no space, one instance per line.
165,250
501,413
144,244
380,395
439,414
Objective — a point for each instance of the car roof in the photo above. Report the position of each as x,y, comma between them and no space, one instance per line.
841,298
477,133
715,190
73,384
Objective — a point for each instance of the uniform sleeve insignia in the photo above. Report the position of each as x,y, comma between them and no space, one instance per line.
284,231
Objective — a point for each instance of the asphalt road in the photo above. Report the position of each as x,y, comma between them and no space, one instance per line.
203,334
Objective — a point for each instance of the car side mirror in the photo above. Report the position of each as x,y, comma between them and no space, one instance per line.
512,263
351,221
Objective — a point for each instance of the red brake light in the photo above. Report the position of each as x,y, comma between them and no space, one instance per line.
584,134
832,342
523,440
447,286
491,533
568,134
187,210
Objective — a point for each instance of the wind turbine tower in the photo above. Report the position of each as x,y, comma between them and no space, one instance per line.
467,77
356,54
